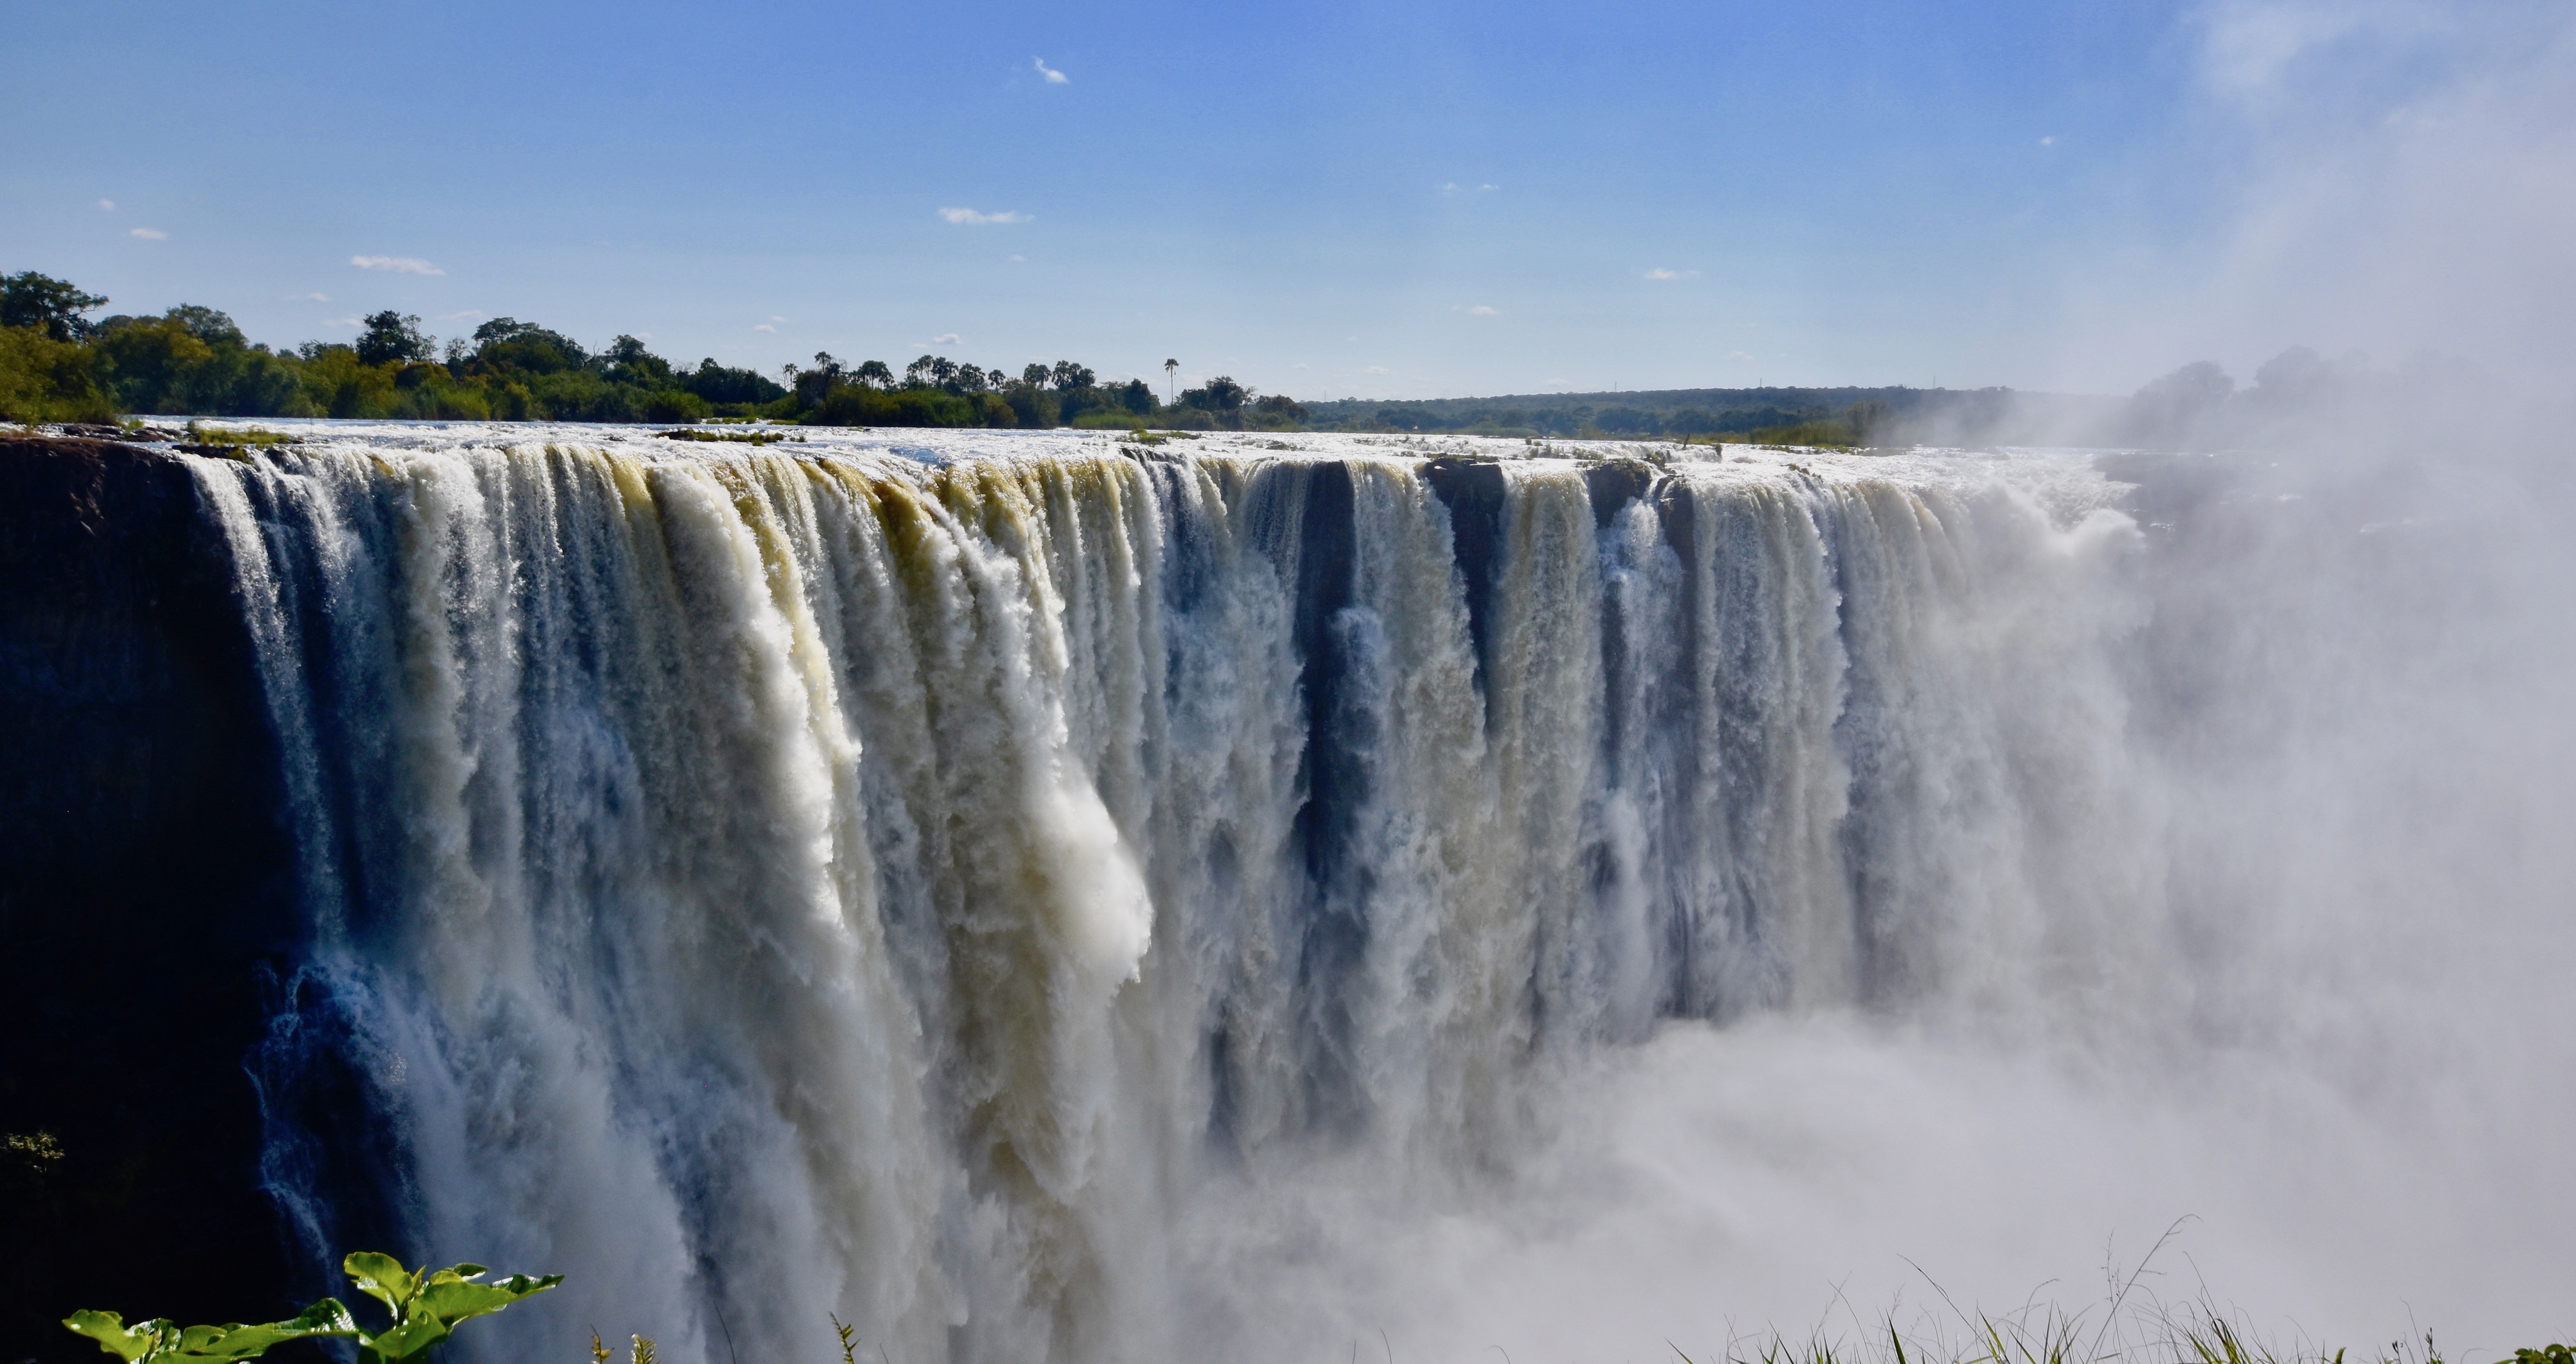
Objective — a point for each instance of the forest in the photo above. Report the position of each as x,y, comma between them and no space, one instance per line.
56,365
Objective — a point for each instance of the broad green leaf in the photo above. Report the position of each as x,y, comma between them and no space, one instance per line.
128,1343
381,1277
410,1338
325,1318
195,1339
452,1299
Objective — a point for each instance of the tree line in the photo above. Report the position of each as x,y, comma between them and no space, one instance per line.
57,365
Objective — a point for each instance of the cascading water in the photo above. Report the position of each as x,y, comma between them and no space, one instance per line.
933,884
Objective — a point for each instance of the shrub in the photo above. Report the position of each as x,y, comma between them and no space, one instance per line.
44,380
674,405
854,405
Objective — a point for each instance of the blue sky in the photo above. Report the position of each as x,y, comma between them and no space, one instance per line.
1325,200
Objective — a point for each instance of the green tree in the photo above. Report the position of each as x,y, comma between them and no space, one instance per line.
45,380
1221,394
391,338
49,305
628,362
507,346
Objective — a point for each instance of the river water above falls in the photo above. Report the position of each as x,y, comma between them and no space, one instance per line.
1035,896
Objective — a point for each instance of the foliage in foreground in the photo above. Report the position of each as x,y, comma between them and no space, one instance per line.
426,1306
2197,1334
2131,1327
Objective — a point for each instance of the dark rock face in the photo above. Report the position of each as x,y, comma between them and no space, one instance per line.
146,895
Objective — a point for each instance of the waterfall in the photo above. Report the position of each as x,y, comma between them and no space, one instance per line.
926,883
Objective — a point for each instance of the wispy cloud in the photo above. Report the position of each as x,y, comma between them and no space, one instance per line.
469,315
2049,141
1738,355
1660,272
1019,258
1481,188
763,327
1377,369
1053,76
352,320
398,265
948,339
1484,310
2247,44
308,298
968,215
107,204
149,234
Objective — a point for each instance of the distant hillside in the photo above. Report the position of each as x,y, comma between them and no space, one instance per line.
1865,415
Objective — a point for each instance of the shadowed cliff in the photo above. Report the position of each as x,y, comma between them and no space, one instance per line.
144,888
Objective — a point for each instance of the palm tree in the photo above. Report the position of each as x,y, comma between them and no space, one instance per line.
1171,369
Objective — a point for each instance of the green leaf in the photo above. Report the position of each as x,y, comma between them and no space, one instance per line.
129,1343
325,1318
410,1338
381,1277
195,1339
451,1298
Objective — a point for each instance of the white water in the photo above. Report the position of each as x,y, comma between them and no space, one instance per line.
869,877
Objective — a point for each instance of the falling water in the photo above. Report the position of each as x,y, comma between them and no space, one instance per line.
928,884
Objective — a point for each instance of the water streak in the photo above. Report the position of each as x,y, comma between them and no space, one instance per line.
766,883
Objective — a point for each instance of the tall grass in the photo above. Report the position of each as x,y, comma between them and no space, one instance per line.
2132,1325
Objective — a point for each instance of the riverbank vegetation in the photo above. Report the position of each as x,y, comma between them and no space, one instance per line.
58,365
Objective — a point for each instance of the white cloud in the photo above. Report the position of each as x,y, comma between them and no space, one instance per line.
763,327
1053,76
2049,141
2246,45
1019,258
1660,272
469,315
948,339
399,265
308,298
352,320
1738,355
1377,369
1481,188
1449,188
1483,310
968,215
108,204
150,234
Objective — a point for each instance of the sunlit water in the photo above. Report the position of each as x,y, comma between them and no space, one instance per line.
1042,899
